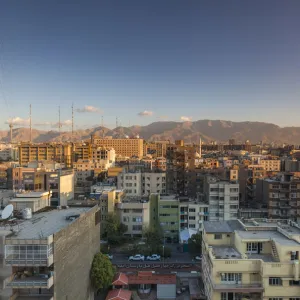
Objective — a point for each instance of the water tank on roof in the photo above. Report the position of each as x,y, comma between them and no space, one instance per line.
27,213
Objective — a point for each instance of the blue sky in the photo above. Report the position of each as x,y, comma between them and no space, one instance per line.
231,60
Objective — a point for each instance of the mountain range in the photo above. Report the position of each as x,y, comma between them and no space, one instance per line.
190,132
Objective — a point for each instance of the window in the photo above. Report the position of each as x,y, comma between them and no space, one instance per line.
137,211
125,219
192,226
276,298
137,219
192,210
233,190
298,298
234,206
192,218
254,247
137,227
231,278
218,236
294,282
275,281
234,198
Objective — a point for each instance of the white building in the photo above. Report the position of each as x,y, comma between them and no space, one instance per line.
9,152
142,184
192,214
223,199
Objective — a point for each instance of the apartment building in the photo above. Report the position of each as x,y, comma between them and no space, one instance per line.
124,147
45,255
222,197
60,182
107,197
273,165
9,153
251,259
135,214
281,195
192,214
164,214
45,151
156,148
139,184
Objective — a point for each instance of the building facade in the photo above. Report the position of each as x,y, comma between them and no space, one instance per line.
222,197
124,147
251,259
49,261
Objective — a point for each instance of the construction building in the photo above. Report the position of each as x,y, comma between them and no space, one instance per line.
181,159
281,195
127,147
51,254
255,259
156,148
46,151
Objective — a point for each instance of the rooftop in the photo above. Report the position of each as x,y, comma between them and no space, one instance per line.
224,252
266,235
222,226
45,224
31,194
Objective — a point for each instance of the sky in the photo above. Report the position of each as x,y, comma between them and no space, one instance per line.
147,61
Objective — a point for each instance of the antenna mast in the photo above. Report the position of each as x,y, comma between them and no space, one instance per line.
102,125
72,122
30,125
117,123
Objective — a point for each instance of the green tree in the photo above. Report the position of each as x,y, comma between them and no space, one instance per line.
195,243
114,230
102,272
153,235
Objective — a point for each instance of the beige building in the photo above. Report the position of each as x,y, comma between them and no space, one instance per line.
251,259
271,164
156,149
45,151
135,214
124,147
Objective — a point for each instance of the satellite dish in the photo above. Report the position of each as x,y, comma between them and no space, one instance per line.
7,211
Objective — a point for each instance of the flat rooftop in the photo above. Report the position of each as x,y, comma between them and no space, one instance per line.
223,252
32,194
44,224
266,235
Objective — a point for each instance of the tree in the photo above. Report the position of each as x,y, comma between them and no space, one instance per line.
195,243
153,235
114,230
102,272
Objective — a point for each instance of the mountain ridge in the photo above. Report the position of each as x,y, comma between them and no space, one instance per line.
190,132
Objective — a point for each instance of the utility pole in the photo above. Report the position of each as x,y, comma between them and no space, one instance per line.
72,122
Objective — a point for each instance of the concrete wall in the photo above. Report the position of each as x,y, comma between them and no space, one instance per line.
66,188
74,250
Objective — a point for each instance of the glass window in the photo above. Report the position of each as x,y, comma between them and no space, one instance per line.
218,236
275,281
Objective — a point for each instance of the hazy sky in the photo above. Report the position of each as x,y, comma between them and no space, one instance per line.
166,59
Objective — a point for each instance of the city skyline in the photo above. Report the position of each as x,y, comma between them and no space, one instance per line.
147,62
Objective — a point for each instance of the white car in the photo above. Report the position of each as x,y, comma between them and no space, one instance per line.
110,256
137,257
198,257
153,257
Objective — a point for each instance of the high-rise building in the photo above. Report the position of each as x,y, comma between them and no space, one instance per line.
222,197
124,147
51,254
45,151
251,259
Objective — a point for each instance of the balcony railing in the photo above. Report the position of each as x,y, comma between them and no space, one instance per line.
30,262
254,288
31,282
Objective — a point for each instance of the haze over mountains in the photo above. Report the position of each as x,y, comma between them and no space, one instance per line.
208,130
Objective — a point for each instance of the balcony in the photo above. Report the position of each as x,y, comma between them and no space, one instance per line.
47,261
184,221
240,288
33,282
183,212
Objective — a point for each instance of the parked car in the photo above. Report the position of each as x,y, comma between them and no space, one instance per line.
198,257
110,256
153,257
137,257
